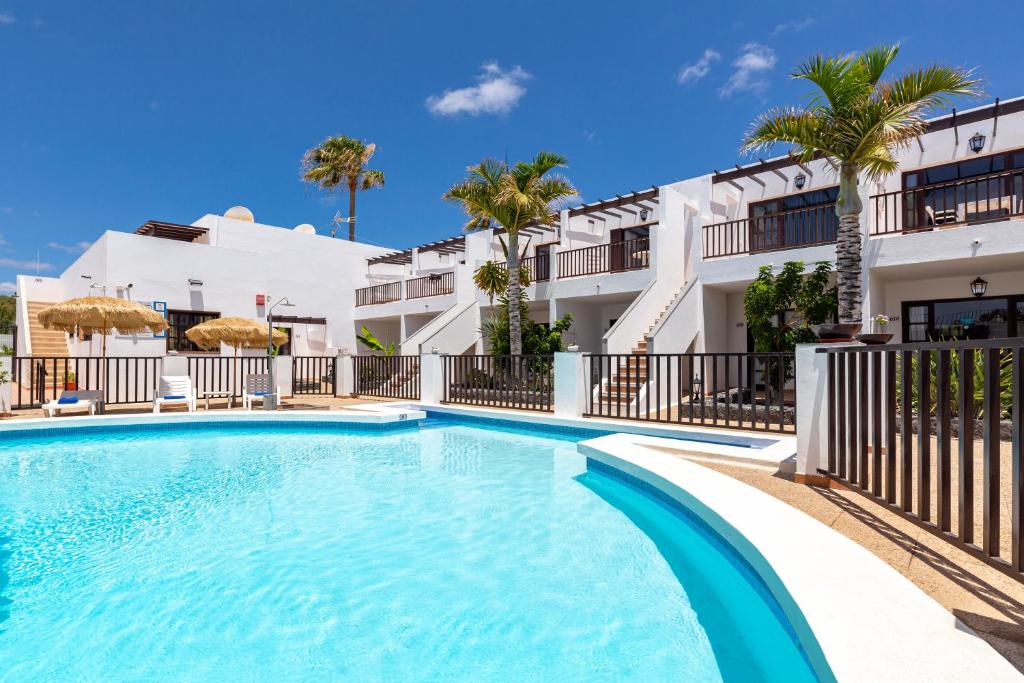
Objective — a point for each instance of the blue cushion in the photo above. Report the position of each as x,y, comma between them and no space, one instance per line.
175,397
67,400
262,393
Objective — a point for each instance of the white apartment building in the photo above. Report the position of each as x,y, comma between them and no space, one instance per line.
660,270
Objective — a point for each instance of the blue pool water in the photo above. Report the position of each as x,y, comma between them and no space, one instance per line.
452,552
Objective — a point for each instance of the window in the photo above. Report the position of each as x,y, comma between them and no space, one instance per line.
181,321
970,318
795,220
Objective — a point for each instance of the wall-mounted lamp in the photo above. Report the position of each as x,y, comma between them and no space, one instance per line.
977,142
192,282
643,214
978,287
799,181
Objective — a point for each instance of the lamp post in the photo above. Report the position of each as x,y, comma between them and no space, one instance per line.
270,400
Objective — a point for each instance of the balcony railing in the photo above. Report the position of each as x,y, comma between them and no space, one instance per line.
993,197
539,267
774,232
615,257
434,284
379,294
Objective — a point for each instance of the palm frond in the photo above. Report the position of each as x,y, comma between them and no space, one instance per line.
371,179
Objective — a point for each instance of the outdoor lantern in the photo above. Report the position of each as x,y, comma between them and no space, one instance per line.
977,142
799,181
978,287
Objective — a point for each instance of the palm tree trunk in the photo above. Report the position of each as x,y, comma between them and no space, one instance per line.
352,212
515,324
848,247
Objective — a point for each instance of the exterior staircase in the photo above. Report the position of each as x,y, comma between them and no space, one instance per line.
48,343
629,374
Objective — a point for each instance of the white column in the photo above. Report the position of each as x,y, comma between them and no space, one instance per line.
6,367
345,373
431,378
283,374
571,384
812,401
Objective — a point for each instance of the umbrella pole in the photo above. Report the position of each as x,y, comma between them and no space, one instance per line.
236,373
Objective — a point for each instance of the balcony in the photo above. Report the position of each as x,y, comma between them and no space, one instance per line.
435,284
808,227
981,199
615,257
539,267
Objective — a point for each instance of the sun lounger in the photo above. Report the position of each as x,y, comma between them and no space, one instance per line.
257,388
175,390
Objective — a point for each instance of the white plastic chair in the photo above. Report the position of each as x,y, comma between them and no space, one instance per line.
257,388
175,390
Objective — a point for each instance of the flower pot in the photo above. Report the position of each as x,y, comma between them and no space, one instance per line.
839,332
878,338
70,386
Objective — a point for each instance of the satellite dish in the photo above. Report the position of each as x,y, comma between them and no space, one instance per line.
305,229
240,213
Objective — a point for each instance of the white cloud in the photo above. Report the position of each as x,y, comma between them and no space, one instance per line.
699,69
792,26
497,93
754,60
24,265
6,18
76,248
8,288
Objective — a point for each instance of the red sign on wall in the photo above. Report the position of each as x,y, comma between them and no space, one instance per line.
261,299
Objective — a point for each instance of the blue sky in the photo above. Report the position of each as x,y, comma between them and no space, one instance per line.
115,113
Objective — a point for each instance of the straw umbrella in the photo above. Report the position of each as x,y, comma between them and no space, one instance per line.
102,314
238,333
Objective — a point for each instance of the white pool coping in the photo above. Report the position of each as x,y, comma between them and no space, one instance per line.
871,622
380,414
766,449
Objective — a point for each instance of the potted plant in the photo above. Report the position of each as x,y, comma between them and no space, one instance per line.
881,337
70,381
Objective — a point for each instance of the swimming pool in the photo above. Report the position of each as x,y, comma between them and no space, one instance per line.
452,551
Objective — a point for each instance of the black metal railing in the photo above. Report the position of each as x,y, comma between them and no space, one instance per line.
904,422
122,379
314,376
993,197
523,382
379,294
387,376
539,267
434,284
634,254
807,227
224,373
752,391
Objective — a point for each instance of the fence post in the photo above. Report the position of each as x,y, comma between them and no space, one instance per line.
431,378
344,372
812,402
6,365
571,384
283,374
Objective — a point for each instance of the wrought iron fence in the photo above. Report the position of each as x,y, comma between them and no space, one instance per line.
387,376
224,373
524,382
904,422
314,375
752,391
122,379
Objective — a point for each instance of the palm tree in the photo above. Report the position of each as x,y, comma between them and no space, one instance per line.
496,195
341,161
859,123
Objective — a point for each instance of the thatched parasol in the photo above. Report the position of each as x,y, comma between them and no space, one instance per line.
101,314
239,333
